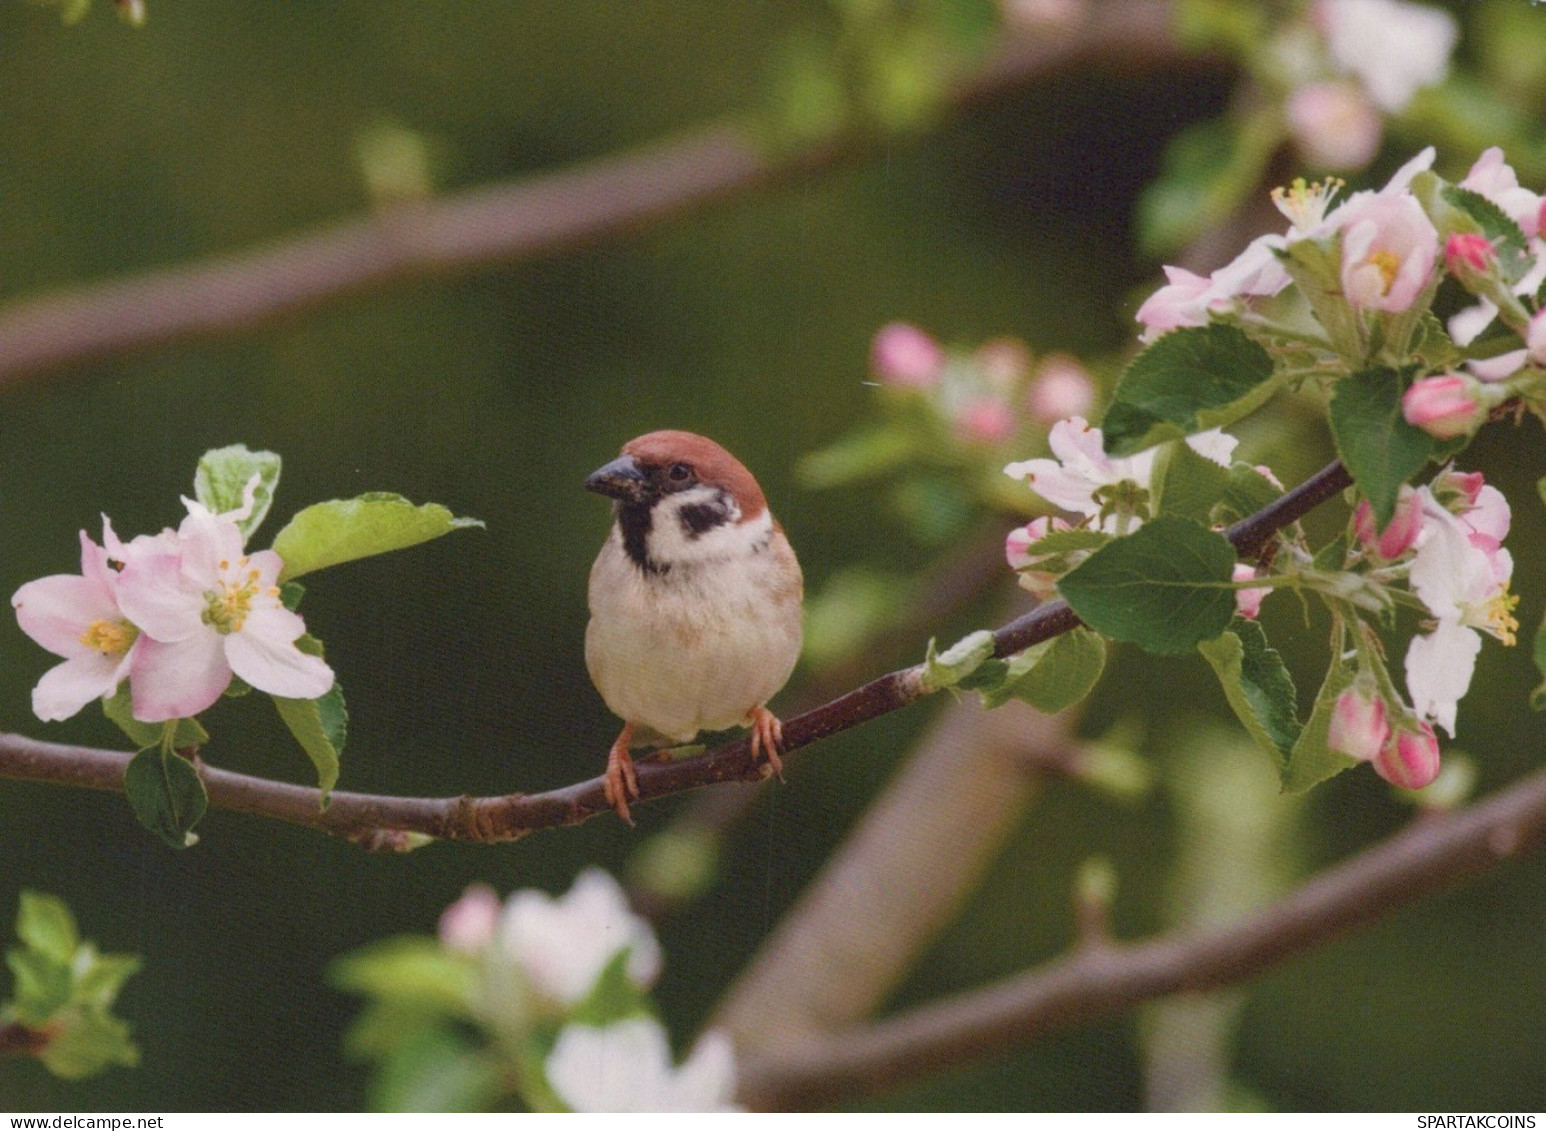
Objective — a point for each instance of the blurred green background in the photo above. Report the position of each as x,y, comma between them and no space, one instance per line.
226,123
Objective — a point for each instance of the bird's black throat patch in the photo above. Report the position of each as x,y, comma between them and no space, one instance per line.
699,518
634,520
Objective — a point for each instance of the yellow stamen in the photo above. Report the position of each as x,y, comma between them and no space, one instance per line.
110,637
1501,621
1389,264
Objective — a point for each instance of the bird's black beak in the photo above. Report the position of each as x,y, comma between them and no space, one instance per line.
621,480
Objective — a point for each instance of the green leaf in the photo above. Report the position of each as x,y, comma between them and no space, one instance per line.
1257,684
1070,541
320,726
1381,450
86,1043
1187,484
120,709
950,667
410,970
45,925
220,482
342,530
613,998
42,986
1311,761
1190,379
1163,587
1508,241
1247,492
166,795
1053,675
435,1070
98,985
858,456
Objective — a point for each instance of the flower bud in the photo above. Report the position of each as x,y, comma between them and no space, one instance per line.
1062,389
1411,759
1334,125
1444,407
1358,727
1535,337
1017,546
902,354
1469,257
1247,601
985,420
1457,491
1003,362
468,925
1400,532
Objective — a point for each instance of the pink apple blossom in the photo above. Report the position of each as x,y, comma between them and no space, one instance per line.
1079,479
1188,299
626,1067
902,354
468,925
1400,532
1017,551
1003,362
78,617
1388,251
1334,125
1535,338
985,420
1410,760
207,609
1358,725
1444,407
1494,178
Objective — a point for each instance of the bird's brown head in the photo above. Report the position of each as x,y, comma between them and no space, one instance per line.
664,463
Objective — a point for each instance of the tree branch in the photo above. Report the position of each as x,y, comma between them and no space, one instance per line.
383,822
1432,852
499,223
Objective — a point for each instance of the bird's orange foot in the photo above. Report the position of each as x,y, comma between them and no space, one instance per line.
621,784
767,738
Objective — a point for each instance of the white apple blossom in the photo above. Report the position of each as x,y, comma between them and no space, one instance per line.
78,618
1393,48
1082,475
1188,299
1495,179
562,945
1461,573
626,1067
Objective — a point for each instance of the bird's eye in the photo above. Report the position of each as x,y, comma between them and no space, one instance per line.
679,473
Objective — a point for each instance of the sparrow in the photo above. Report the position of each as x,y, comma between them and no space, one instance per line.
695,602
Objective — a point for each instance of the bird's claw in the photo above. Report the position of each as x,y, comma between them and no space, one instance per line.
621,783
767,738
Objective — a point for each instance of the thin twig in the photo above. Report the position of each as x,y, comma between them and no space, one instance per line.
498,223
1092,983
382,822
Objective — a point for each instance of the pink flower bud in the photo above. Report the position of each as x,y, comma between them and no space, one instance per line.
1358,726
1468,255
468,925
1334,125
1247,601
1444,407
1062,389
1463,487
902,354
1004,362
1410,761
1017,552
985,420
1400,532
1535,337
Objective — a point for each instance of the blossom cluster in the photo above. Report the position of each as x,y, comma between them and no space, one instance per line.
176,614
543,956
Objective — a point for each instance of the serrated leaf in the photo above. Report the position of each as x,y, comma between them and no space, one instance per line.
166,795
120,710
1069,541
1189,380
1380,449
321,727
1053,675
1508,241
343,530
1186,483
1163,587
1311,761
44,923
220,482
948,668
87,1042
1257,684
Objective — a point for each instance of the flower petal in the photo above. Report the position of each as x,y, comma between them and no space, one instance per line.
67,687
1438,671
264,654
178,680
56,610
155,595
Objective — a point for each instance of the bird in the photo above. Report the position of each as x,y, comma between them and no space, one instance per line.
695,602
